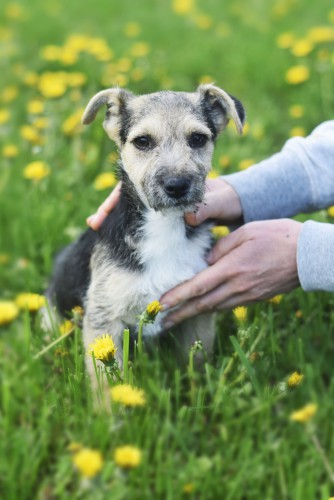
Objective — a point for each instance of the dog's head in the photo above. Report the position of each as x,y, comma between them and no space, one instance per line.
166,139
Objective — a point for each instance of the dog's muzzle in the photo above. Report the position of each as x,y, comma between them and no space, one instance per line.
176,187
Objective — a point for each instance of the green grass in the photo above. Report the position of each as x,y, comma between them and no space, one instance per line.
224,433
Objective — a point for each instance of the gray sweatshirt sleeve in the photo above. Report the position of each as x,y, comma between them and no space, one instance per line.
298,179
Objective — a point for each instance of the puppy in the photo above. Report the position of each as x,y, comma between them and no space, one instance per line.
144,247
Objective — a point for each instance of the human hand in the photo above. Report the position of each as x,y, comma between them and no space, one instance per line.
221,202
255,262
95,220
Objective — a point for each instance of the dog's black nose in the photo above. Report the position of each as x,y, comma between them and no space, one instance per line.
176,187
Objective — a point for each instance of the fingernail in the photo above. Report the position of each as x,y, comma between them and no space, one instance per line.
90,219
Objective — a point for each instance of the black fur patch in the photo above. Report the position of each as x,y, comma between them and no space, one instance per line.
72,273
240,109
125,116
209,116
124,224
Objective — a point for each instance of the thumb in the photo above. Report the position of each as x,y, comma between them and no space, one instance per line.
202,213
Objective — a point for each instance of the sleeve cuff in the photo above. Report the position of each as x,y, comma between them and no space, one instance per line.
315,256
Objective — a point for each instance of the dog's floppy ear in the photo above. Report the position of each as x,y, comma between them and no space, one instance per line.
115,99
221,106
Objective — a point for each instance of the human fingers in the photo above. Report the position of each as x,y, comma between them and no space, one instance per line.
95,220
199,285
225,245
220,202
221,298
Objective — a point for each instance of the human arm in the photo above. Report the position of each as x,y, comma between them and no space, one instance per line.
300,178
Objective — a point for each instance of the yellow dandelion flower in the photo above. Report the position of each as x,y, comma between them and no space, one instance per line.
78,42
206,79
88,462
321,34
52,84
295,379
120,80
5,34
9,93
66,327
112,157
220,231
68,57
128,395
14,11
297,74
50,53
36,170
224,161
128,456
213,174
35,107
104,181
276,300
245,130
182,7
30,301
240,313
244,164
103,349
78,311
304,414
299,313
137,74
30,78
41,123
203,21
123,65
98,47
257,131
4,116
330,211
297,132
153,308
4,258
285,40
10,151
131,29
76,79
302,48
30,134
8,312
297,111
188,488
74,447
140,49
72,124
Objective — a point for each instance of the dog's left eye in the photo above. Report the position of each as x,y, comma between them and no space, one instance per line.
143,142
197,140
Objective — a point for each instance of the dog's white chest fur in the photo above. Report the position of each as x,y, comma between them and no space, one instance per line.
168,255
168,258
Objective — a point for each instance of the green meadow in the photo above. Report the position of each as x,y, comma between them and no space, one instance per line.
231,432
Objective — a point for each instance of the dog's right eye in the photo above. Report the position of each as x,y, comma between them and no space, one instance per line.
143,142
